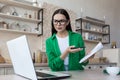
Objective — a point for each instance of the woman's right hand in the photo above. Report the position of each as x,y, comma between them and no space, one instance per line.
72,49
69,50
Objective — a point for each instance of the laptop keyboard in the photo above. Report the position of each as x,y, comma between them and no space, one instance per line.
44,74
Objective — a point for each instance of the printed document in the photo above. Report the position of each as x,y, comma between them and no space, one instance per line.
98,47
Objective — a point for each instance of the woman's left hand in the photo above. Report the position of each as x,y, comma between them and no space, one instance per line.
92,56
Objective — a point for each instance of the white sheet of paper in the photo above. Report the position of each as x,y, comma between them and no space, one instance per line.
97,48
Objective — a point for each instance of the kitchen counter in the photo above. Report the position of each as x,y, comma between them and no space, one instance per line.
82,75
102,63
46,64
7,68
88,74
9,65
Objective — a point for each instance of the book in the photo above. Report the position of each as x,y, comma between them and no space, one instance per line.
98,47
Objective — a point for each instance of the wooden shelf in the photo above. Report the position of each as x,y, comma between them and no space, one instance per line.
91,21
19,18
18,31
93,41
20,4
91,31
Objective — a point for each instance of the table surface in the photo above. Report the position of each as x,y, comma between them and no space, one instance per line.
91,75
82,75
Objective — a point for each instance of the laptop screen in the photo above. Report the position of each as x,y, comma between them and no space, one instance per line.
21,58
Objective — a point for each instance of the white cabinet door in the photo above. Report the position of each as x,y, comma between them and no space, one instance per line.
9,71
99,66
113,55
2,71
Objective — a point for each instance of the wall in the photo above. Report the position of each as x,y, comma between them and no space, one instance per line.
117,24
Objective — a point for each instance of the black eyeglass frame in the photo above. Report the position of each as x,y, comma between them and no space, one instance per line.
62,21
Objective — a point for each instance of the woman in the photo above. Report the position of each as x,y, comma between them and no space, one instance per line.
59,47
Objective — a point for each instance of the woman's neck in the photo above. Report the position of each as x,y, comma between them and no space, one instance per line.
62,34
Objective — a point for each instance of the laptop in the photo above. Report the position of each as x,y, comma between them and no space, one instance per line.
23,65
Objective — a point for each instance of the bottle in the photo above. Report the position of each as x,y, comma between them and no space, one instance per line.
15,12
26,14
2,60
34,57
113,45
39,57
35,3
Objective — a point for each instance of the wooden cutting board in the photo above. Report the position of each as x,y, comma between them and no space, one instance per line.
2,60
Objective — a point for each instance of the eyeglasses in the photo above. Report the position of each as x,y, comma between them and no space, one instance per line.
62,21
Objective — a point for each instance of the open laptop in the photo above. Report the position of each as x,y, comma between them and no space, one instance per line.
22,62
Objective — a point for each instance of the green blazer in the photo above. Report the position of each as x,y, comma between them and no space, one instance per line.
53,53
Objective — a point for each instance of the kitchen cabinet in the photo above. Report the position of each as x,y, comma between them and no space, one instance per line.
19,17
8,71
7,68
2,71
113,55
100,65
93,30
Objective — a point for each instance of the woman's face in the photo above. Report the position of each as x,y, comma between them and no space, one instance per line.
60,22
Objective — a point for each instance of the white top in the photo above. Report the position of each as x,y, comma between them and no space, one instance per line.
63,45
